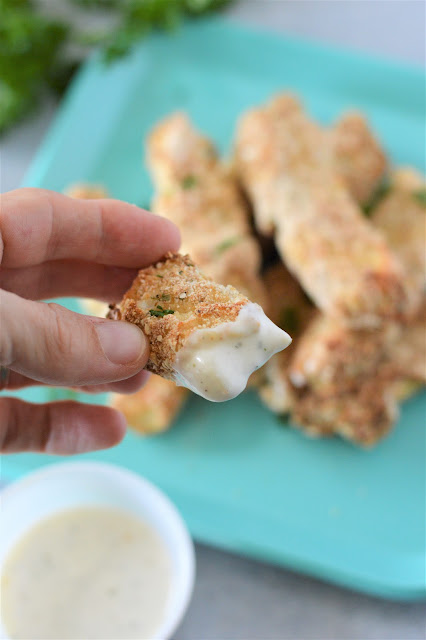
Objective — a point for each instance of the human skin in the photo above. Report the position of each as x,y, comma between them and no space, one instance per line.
53,246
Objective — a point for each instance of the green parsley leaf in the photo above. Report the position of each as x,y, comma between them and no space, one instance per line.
381,192
227,244
188,182
289,319
420,196
159,312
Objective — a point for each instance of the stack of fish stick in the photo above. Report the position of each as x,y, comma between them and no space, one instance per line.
349,278
366,277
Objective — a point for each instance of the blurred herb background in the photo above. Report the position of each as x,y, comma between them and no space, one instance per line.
42,45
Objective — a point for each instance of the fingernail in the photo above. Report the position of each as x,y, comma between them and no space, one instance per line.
122,342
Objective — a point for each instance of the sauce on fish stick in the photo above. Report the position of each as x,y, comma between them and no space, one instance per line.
204,336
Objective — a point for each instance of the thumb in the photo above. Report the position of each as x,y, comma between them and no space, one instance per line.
53,345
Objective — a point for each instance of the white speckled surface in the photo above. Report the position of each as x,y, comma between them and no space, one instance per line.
236,598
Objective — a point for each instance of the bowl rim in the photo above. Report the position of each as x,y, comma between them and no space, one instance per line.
160,504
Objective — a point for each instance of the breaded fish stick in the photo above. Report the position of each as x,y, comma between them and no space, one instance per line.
357,156
201,196
341,381
286,166
204,336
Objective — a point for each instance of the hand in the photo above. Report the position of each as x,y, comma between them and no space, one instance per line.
50,246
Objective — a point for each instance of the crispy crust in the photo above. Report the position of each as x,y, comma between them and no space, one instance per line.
177,285
362,416
153,408
357,155
331,358
286,166
341,381
350,381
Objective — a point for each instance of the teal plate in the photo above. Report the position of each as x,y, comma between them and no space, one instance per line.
243,480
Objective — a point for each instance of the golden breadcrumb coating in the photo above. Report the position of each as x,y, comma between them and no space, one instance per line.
286,166
357,155
169,301
362,416
341,380
332,358
350,381
153,408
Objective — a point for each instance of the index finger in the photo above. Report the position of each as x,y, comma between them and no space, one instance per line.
38,225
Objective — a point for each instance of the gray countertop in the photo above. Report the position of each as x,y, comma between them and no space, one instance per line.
236,598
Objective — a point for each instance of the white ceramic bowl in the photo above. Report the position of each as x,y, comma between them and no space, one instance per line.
77,484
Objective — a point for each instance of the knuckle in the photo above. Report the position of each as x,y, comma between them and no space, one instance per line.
59,339
15,436
7,424
6,343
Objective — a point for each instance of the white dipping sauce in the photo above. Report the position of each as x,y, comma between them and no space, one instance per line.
216,363
83,574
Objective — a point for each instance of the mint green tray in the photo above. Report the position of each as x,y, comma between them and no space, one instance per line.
243,480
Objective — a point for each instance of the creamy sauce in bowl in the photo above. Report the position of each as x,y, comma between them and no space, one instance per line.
92,573
216,363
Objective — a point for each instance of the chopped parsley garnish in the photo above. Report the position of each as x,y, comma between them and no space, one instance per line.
289,319
188,182
382,190
158,275
227,244
159,312
420,196
283,420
